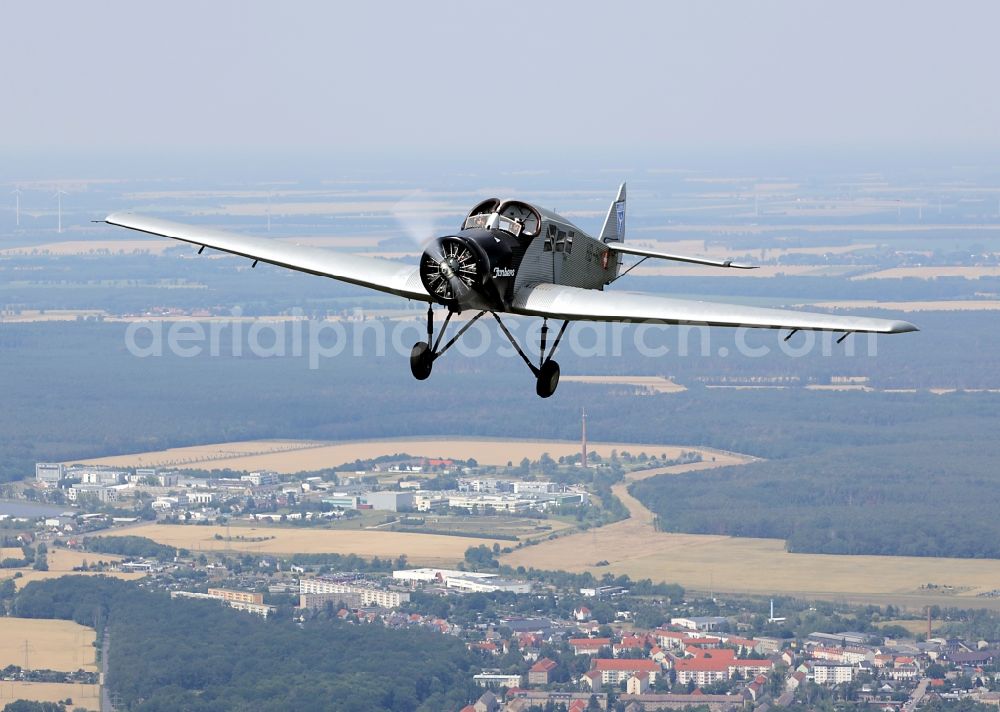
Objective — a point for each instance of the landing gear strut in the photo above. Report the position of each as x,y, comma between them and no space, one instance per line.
547,370
423,355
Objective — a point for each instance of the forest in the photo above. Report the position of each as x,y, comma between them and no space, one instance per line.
130,546
931,498
168,655
79,393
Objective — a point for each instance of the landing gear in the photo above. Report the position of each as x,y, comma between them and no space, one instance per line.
547,379
547,370
423,354
421,360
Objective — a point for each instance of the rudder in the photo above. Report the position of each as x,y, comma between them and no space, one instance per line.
614,223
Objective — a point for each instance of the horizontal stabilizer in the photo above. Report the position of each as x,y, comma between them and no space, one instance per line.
618,247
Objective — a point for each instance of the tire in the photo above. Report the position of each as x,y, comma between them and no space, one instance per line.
421,360
548,379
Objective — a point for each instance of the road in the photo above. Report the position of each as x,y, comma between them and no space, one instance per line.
106,705
917,696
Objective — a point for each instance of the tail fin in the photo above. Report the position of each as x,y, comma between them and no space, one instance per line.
614,223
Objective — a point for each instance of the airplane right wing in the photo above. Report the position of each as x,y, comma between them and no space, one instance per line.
372,272
573,303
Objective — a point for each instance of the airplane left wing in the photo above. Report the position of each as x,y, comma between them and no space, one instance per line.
573,303
372,272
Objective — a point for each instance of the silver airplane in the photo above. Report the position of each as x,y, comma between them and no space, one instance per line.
511,257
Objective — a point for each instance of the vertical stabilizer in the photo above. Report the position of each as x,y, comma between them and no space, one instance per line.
614,223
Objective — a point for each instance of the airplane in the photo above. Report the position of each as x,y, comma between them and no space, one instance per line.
512,257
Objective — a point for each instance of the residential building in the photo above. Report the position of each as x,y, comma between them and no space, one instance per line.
227,594
589,646
832,673
541,672
494,680
615,670
350,593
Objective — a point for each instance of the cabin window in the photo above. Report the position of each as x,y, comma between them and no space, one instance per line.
550,238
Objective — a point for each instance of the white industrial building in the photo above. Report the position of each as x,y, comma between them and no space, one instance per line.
490,585
262,478
427,575
390,501
48,474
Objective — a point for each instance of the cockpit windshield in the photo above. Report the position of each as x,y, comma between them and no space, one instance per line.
493,221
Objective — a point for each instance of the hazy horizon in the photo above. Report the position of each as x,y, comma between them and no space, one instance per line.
527,83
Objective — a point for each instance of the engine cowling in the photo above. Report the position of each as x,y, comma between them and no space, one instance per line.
471,270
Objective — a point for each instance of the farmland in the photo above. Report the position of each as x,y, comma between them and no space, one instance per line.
62,562
757,566
52,645
83,696
419,548
287,456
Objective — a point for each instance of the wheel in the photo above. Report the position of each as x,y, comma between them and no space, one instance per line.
421,360
548,379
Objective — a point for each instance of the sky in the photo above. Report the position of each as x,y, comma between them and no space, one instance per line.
503,78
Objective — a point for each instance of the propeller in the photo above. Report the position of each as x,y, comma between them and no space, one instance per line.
449,269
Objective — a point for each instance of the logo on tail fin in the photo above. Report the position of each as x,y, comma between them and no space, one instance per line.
620,214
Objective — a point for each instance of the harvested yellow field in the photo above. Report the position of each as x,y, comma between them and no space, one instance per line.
33,315
205,454
87,697
29,575
66,560
940,305
297,456
11,552
52,645
419,548
934,272
755,566
653,384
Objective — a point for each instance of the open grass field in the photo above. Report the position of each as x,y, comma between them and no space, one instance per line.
296,456
87,697
757,566
52,645
433,549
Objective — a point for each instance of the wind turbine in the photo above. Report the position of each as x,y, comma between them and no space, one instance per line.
59,195
17,204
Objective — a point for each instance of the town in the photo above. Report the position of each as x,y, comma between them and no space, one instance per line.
544,640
